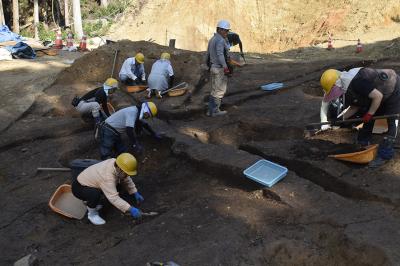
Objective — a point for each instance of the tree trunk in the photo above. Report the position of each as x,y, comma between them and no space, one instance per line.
66,12
36,18
15,16
2,21
76,10
104,3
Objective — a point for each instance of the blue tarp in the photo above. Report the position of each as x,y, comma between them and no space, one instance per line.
7,35
21,50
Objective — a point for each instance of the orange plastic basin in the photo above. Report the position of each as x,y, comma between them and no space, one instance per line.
65,203
360,157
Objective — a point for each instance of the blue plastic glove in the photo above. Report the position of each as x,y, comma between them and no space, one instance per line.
139,198
135,213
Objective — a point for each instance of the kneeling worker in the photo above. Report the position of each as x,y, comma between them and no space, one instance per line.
103,178
125,120
372,91
161,76
132,71
95,100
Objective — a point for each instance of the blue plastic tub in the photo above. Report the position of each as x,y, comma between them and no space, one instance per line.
265,172
272,86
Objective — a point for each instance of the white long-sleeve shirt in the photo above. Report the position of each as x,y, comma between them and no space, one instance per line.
128,69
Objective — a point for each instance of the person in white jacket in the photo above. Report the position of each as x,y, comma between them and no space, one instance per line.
161,76
132,71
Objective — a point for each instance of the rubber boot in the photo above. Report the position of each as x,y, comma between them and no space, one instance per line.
211,106
94,218
99,207
385,152
218,111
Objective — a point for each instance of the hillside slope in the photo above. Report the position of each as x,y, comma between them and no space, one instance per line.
264,26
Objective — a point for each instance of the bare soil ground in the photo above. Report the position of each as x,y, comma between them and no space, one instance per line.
324,212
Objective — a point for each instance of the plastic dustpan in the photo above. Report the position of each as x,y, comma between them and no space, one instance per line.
360,157
65,203
272,86
136,88
265,172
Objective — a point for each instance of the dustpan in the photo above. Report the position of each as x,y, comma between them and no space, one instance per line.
65,203
136,88
360,157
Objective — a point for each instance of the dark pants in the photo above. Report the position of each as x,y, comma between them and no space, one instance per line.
110,139
388,107
89,194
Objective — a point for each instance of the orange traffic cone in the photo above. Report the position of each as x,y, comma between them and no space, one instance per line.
59,43
70,39
359,47
82,45
330,46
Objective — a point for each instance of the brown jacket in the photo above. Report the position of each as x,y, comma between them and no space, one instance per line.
103,175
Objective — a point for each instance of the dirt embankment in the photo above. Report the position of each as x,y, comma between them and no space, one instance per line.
264,26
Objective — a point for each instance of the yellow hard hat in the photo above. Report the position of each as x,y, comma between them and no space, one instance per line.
127,162
328,79
111,82
152,107
166,56
139,57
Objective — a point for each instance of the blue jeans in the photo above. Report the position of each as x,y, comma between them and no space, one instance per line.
109,139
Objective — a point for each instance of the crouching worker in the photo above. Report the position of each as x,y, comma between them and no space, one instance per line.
129,120
95,100
161,76
374,92
102,179
132,71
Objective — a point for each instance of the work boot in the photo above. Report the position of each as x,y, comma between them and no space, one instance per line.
148,96
211,106
218,111
377,162
94,218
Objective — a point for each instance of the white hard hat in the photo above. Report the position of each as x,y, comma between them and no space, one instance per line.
224,24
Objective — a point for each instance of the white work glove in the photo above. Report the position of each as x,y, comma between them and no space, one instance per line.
325,127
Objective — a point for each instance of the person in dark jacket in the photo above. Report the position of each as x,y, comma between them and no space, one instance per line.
130,120
376,92
234,39
96,100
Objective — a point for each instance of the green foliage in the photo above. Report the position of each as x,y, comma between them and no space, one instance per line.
95,29
45,34
93,11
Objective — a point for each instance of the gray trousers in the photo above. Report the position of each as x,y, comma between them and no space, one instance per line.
219,82
89,107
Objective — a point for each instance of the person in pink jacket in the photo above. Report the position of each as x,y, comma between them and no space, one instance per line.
103,178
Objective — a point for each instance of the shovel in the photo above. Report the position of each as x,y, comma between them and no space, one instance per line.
182,84
115,59
314,128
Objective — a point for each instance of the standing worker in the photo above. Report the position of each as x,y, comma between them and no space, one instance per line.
102,179
125,120
132,71
217,58
161,76
372,92
234,39
96,99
